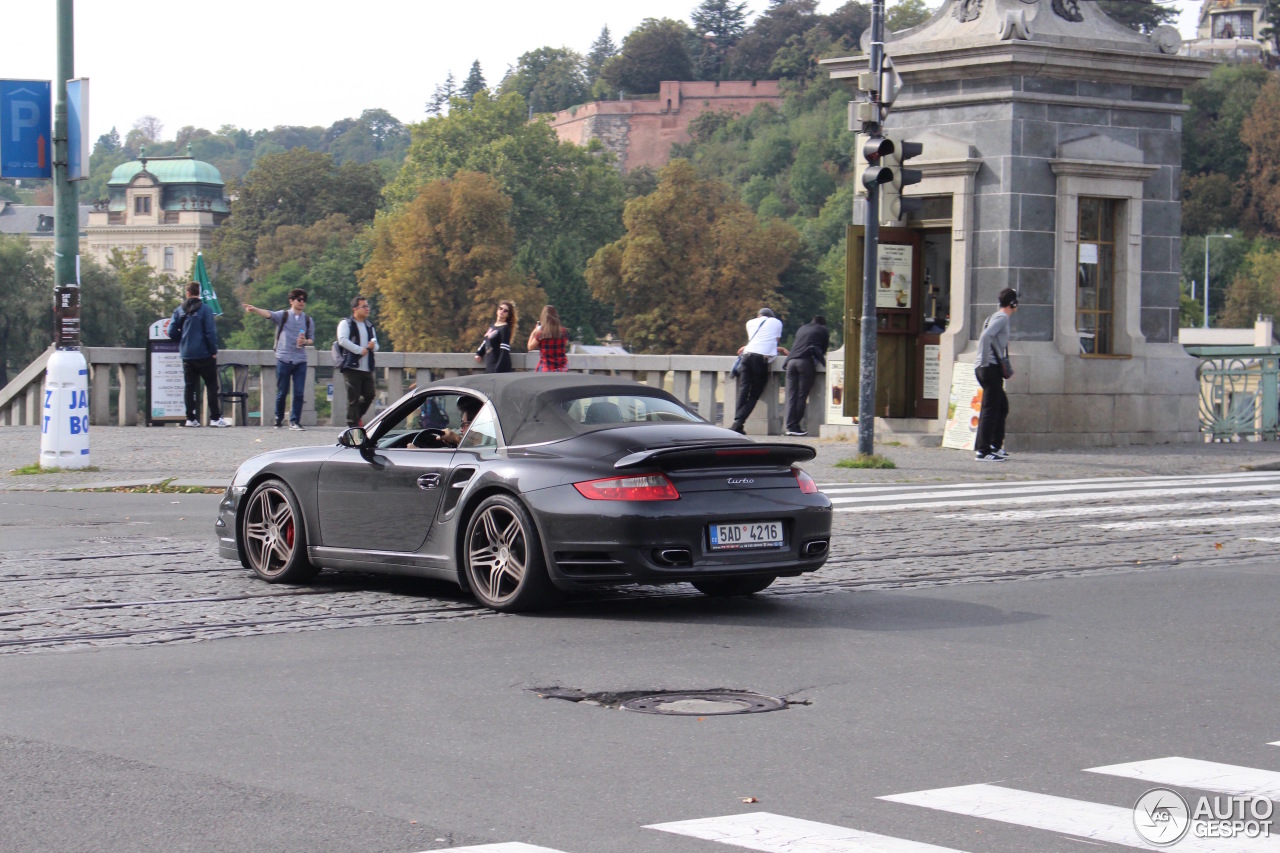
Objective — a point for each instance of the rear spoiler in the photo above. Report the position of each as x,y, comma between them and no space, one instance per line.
727,455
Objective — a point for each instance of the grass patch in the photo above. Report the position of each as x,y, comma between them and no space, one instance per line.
161,489
862,460
35,468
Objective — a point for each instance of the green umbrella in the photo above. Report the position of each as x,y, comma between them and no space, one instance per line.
206,287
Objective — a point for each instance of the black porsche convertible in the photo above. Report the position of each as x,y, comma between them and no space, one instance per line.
520,485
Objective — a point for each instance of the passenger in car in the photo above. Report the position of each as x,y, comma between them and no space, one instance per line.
468,407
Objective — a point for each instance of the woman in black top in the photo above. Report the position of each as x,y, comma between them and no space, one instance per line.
495,349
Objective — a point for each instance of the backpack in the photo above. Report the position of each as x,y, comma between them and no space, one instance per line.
343,358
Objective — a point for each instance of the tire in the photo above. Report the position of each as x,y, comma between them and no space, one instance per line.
502,557
724,587
273,538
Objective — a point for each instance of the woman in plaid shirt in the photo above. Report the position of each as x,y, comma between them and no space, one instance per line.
550,340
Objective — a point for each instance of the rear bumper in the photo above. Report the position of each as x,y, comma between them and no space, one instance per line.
587,543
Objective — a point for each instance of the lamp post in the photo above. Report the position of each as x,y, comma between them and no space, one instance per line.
1207,238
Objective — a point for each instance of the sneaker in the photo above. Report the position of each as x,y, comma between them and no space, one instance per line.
279,424
796,432
294,425
738,428
1002,453
192,424
988,457
220,422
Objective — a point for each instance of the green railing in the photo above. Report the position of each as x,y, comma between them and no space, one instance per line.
1238,392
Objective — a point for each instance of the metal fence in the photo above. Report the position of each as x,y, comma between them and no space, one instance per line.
1238,392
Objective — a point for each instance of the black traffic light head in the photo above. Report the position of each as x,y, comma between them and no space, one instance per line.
893,207
875,151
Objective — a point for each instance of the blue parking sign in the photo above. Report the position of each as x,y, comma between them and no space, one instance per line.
26,129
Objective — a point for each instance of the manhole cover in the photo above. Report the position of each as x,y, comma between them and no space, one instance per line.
703,704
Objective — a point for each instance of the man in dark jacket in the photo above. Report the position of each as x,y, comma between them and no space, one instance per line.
807,352
192,324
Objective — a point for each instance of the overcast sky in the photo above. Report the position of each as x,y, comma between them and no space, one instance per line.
271,62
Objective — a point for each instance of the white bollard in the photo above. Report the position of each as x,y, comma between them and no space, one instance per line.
64,430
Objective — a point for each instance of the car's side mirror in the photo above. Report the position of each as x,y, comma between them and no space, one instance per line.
354,437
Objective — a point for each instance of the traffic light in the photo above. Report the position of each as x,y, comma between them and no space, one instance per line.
893,207
872,155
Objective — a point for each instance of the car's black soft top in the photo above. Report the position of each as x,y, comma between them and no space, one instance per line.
528,404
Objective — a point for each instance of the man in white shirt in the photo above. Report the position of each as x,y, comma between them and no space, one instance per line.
357,337
763,334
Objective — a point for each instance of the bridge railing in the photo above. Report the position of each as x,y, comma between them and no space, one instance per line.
117,384
1239,398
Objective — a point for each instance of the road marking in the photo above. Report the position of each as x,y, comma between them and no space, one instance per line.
1042,499
506,847
1110,482
1135,509
781,834
1199,775
1225,521
1095,821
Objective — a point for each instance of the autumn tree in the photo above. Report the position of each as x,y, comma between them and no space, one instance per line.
1260,132
694,263
441,262
302,243
1256,287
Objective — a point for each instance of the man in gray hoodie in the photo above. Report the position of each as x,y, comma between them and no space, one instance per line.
992,369
192,324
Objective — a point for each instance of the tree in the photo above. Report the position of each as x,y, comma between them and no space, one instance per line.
693,263
1271,30
549,79
602,50
1217,108
1260,133
438,103
302,243
906,14
652,52
474,82
150,128
297,187
441,262
109,141
106,319
717,27
752,56
148,295
26,324
1141,15
1256,287
375,135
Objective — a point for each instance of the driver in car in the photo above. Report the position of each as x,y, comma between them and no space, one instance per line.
468,407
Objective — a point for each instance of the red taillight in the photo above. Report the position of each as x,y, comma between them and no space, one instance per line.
807,485
646,487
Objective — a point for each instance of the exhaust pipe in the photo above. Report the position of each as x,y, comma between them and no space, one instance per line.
675,557
814,548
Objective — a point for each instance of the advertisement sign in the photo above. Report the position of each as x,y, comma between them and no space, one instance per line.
26,129
962,408
165,403
78,129
836,390
894,287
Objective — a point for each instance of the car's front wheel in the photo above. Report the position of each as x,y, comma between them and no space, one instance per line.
273,536
722,587
503,557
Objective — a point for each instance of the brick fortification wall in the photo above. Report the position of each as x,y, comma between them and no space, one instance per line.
641,133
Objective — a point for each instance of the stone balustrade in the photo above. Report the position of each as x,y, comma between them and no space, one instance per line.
117,379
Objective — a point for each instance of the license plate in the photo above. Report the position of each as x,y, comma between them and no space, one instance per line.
755,534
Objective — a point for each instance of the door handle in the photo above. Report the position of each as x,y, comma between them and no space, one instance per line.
429,481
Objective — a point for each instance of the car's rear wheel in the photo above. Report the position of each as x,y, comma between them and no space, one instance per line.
503,557
722,587
273,536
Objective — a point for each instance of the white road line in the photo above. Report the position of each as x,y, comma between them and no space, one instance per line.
1225,521
1134,509
1118,488
781,834
1199,775
942,488
1112,824
1042,499
506,847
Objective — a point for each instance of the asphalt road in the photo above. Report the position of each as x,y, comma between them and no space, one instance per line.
1012,638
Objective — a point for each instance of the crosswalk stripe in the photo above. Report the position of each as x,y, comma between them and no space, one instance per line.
781,834
1041,499
1039,485
506,847
1199,775
1224,521
1129,509
1079,818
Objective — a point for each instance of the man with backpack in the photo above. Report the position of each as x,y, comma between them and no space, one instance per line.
192,325
294,333
358,342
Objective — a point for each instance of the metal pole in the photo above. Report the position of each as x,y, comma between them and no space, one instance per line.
870,259
66,201
1206,280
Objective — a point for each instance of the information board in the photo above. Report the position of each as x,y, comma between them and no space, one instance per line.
165,403
962,408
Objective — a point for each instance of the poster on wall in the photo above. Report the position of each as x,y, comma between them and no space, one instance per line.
893,290
835,392
932,370
962,408
165,402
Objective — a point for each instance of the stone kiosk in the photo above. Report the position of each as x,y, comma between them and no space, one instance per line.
1052,157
